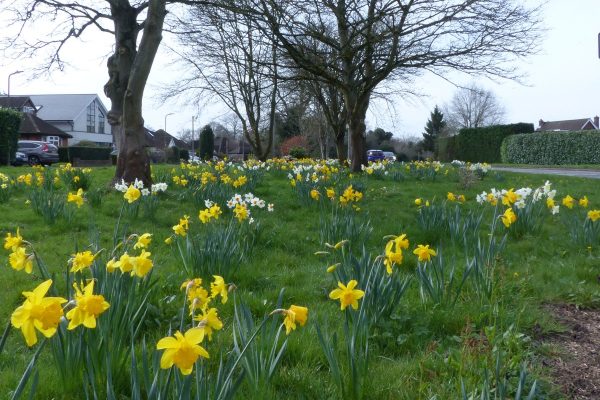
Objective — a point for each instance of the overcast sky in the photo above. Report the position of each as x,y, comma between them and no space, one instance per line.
563,80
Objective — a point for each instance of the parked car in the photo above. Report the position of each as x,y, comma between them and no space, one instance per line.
38,152
390,156
375,155
20,159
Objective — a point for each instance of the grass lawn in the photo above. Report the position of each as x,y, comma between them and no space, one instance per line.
419,349
577,166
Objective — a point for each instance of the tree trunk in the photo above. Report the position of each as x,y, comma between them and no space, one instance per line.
356,130
128,72
340,145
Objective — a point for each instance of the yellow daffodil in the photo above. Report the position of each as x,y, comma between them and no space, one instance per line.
205,216
169,240
143,241
461,198
209,321
332,268
112,265
550,203
215,211
132,194
583,202
509,217
568,201
182,350
450,196
183,226
88,306
76,198
330,193
196,294
418,201
347,295
81,260
38,312
594,215
314,194
19,260
424,253
393,252
141,264
12,242
241,212
218,287
293,315
125,263
509,198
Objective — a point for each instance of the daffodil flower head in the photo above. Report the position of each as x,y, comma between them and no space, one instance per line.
19,260
182,350
347,295
38,312
88,307
12,242
294,314
424,253
80,261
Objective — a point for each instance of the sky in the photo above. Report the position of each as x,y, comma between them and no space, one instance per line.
562,81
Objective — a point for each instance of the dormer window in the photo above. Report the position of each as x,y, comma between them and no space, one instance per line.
28,110
91,118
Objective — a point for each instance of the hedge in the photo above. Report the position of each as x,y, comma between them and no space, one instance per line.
552,148
9,134
447,148
68,154
483,144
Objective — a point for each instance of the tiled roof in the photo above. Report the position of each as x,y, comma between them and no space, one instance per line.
16,102
568,125
36,126
62,107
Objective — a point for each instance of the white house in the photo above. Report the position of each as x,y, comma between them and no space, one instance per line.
81,115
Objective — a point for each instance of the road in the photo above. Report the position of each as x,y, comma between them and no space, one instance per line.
580,173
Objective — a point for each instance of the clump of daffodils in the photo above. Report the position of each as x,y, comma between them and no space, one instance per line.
19,259
521,197
133,191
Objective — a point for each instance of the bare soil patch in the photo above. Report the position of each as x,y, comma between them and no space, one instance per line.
576,367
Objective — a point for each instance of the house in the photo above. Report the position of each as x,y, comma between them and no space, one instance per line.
32,127
81,115
584,124
162,140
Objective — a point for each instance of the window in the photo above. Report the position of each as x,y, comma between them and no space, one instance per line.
100,122
91,118
28,110
55,140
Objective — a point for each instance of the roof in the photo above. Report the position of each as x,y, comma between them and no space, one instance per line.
567,125
160,139
62,107
16,102
30,124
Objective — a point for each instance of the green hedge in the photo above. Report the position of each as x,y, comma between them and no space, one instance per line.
9,134
552,148
446,148
483,144
68,154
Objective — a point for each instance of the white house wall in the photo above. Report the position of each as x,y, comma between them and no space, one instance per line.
79,130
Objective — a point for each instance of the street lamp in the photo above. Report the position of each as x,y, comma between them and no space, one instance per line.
193,119
9,75
166,115
166,134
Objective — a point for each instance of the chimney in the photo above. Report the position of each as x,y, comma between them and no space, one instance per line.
597,121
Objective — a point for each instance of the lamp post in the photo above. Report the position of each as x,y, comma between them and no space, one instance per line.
9,75
193,119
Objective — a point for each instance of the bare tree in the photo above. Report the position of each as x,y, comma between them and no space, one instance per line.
366,42
136,27
228,56
473,107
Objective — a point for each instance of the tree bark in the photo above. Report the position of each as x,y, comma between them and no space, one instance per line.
128,69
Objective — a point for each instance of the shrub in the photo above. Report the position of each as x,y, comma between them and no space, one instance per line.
483,144
293,143
9,134
207,143
68,154
173,155
298,152
550,148
184,154
446,148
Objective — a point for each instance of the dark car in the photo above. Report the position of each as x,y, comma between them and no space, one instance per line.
38,152
375,155
20,159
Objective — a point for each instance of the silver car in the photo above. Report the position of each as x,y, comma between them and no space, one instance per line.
38,152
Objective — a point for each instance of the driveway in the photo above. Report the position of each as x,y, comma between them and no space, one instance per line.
580,173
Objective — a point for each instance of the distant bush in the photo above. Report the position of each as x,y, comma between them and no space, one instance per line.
552,148
173,155
184,154
483,144
298,152
9,134
207,143
87,143
68,154
446,148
